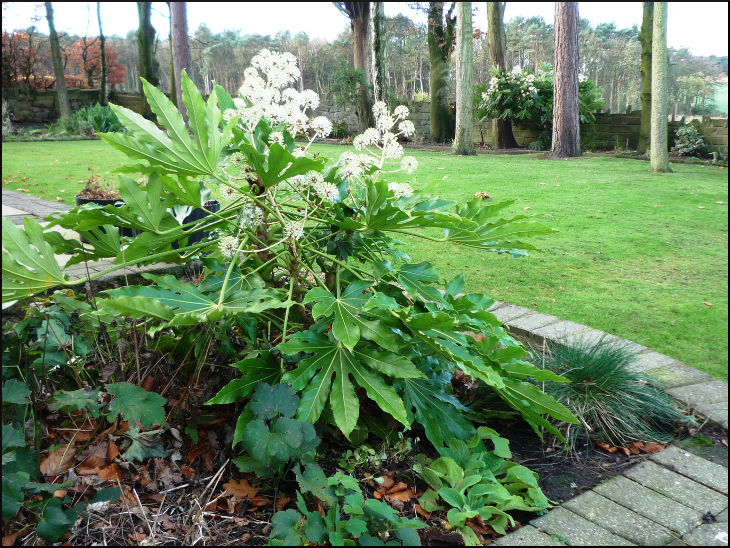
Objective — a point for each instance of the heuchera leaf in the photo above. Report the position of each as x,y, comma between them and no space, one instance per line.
135,404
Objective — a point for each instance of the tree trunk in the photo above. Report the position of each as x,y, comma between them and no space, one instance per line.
647,28
359,23
566,131
502,129
103,93
148,67
440,44
464,138
377,47
64,107
173,90
181,51
659,99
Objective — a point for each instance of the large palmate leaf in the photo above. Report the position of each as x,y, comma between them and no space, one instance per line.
253,372
183,303
29,264
326,376
174,151
279,164
348,322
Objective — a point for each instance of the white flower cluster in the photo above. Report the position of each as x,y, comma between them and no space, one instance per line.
264,93
384,136
228,245
582,78
400,189
294,230
516,76
250,217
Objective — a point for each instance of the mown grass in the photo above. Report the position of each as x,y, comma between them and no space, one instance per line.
636,254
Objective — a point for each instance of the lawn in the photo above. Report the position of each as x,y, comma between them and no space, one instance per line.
640,255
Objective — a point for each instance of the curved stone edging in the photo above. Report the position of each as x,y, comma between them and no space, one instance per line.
665,500
692,387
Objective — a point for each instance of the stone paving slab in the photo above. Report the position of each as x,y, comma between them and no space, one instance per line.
672,376
527,324
722,516
592,336
559,330
702,393
576,530
527,536
708,534
701,470
496,305
677,487
511,312
650,360
619,520
650,504
715,411
7,211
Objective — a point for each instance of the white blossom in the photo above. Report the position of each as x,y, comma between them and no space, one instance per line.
409,164
407,128
321,126
392,150
313,178
384,122
229,193
251,217
294,230
380,109
327,191
298,152
276,137
400,189
401,111
228,245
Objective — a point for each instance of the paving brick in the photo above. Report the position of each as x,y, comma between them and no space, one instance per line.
650,360
528,323
511,312
590,337
722,516
701,470
678,487
560,330
702,393
708,534
576,530
715,411
496,305
619,520
527,536
631,346
672,376
650,504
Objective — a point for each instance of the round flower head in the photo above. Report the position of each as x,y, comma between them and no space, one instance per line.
229,193
309,99
228,245
251,217
409,164
407,128
313,178
384,123
294,230
400,189
298,152
327,191
401,111
276,137
380,109
392,150
321,126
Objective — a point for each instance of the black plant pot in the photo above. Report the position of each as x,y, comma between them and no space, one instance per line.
212,206
123,230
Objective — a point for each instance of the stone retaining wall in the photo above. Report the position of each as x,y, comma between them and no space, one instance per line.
608,132
41,106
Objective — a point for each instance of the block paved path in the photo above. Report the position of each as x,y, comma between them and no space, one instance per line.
675,498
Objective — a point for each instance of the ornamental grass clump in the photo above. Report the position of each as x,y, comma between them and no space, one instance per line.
614,404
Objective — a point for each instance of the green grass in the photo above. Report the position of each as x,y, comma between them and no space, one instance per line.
634,256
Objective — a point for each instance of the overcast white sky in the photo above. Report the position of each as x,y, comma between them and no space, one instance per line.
700,26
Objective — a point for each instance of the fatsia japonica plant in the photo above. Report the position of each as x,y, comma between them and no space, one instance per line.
303,252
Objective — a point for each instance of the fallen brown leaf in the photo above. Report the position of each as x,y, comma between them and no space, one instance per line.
137,537
91,466
111,473
58,461
706,303
606,447
9,540
654,447
240,489
282,502
419,510
111,451
724,441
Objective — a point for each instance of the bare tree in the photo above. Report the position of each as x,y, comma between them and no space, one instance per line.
464,137
103,95
359,14
659,92
497,44
64,106
566,129
148,67
647,29
440,45
180,50
377,52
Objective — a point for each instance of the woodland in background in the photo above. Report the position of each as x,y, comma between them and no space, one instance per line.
610,57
